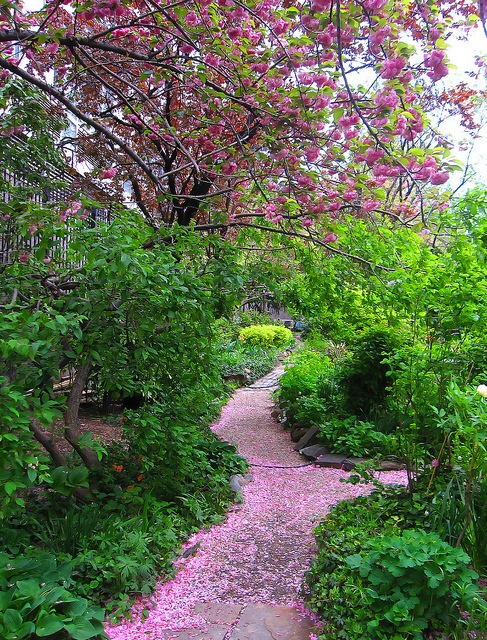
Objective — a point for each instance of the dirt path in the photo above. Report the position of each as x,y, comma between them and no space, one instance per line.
263,549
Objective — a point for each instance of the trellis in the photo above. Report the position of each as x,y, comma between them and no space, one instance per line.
11,244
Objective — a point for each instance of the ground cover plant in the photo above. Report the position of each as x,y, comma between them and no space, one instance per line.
382,572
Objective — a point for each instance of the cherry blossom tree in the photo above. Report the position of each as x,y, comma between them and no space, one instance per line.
274,114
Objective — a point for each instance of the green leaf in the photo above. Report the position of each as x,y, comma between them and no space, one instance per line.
78,476
48,624
10,487
27,588
76,609
12,620
81,629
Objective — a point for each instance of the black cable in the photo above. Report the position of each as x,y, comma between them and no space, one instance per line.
267,466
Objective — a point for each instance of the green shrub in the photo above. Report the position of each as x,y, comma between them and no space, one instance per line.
301,380
365,376
36,601
358,438
413,583
251,363
378,557
266,336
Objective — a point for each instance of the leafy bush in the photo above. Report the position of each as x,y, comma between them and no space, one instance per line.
379,572
413,583
358,438
227,329
266,336
171,480
301,380
36,601
365,379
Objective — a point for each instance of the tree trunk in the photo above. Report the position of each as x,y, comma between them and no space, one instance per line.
47,442
71,431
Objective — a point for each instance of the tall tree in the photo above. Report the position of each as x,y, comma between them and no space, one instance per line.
270,113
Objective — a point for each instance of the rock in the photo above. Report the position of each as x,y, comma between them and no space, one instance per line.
218,613
297,433
309,438
276,415
237,482
266,622
390,465
331,460
313,452
351,463
191,551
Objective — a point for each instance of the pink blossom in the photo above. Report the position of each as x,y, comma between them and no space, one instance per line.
108,173
370,205
435,62
435,463
307,222
377,37
229,168
215,129
24,257
280,27
386,98
373,6
321,5
234,32
434,34
373,155
312,154
47,260
192,19
425,234
350,195
51,47
392,68
324,39
438,72
439,177
330,238
32,228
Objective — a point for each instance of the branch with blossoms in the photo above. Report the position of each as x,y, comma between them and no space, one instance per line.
255,108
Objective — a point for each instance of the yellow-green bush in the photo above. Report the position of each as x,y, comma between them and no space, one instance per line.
266,335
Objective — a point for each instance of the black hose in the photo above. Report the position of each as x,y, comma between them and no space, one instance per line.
267,466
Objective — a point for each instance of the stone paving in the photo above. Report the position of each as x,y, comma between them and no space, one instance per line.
253,621
270,381
243,582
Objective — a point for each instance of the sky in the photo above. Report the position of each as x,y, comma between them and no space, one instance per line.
462,54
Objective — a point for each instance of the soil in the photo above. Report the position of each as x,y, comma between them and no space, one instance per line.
90,421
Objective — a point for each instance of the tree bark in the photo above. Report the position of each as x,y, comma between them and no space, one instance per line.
71,431
47,442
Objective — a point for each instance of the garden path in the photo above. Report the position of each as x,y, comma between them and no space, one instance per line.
242,579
